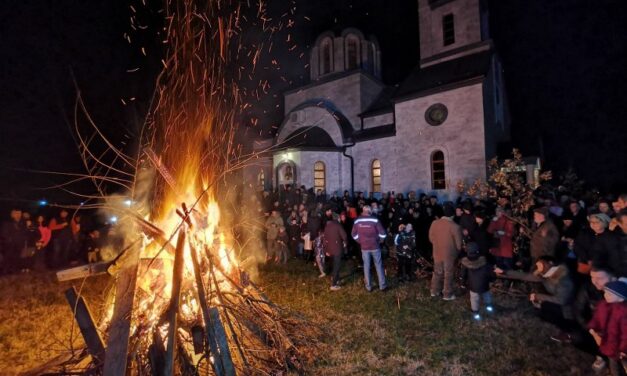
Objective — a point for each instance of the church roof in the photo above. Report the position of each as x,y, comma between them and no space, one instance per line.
388,130
308,137
445,73
382,104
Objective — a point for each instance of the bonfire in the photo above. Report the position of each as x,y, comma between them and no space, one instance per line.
183,301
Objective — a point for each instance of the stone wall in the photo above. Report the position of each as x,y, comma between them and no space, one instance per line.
461,138
350,94
467,20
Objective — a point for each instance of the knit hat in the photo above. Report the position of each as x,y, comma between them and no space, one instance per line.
472,250
618,288
542,210
603,218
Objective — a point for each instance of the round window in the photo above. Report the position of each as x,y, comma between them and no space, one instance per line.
436,114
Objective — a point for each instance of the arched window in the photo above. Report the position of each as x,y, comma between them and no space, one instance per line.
319,176
326,56
261,180
352,52
376,176
438,176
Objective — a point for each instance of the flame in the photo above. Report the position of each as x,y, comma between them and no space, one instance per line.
208,240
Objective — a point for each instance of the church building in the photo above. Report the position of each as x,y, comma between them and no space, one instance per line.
346,130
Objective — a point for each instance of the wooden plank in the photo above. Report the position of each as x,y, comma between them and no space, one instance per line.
223,345
85,321
119,329
173,310
218,369
83,271
163,170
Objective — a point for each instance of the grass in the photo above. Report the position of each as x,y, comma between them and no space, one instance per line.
399,332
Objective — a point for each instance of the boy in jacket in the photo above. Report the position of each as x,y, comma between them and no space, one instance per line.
478,274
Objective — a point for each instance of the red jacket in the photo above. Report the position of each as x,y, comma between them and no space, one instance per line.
506,246
610,322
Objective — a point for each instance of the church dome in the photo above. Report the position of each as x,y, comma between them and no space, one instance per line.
348,51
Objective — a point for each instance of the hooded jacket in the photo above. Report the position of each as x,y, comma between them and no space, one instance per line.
478,274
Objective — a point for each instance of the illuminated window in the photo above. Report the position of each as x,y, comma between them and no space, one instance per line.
326,56
438,177
319,176
376,176
448,29
352,52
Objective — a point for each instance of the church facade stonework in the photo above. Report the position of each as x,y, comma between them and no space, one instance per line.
346,130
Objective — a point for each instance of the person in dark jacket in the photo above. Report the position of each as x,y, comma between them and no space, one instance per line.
480,234
621,232
467,220
293,234
335,243
405,242
477,274
545,237
605,250
12,240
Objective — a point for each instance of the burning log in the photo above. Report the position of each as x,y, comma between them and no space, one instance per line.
173,309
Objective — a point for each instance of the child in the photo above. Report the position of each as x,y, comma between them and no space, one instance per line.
609,325
405,242
282,251
320,254
478,274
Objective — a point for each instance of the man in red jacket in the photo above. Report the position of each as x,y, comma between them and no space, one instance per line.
368,232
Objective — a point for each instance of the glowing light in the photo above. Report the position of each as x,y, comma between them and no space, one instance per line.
476,316
128,203
113,219
43,203
489,309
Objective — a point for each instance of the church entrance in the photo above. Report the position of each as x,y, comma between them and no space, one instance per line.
285,174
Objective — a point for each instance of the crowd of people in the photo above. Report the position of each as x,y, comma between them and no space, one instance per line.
572,259
34,242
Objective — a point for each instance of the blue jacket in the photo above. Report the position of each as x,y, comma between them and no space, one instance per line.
368,232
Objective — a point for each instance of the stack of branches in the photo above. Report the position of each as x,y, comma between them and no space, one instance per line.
190,127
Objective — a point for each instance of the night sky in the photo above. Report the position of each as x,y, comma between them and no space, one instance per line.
565,68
